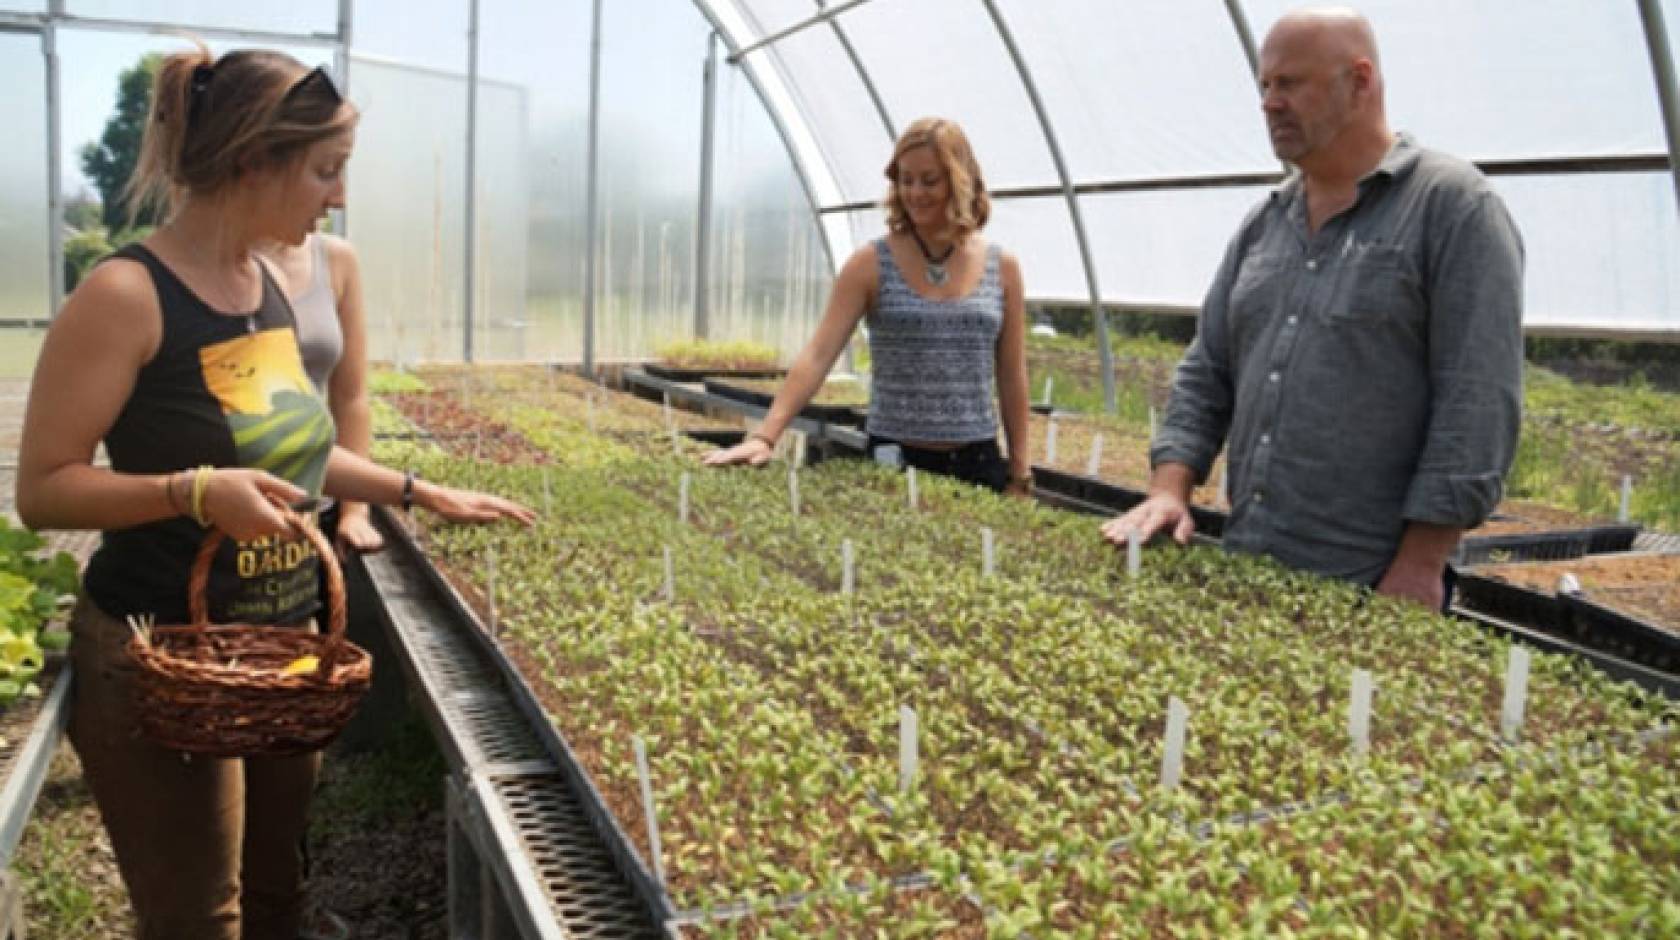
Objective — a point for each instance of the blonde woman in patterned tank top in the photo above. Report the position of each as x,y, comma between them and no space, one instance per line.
947,323
323,280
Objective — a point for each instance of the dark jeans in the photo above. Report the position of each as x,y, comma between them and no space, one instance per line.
977,462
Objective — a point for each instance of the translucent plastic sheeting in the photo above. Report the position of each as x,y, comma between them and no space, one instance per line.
1040,233
866,225
430,33
1602,251
296,16
544,51
406,208
23,182
769,276
1162,247
1147,89
830,95
502,323
650,176
22,6
1501,79
945,58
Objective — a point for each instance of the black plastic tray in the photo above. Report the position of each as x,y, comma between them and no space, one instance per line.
833,414
1116,498
1623,633
1512,602
1553,545
717,437
680,374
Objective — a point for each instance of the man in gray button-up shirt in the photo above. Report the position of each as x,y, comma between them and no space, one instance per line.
1361,343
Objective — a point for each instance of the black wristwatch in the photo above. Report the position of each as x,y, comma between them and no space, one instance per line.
408,490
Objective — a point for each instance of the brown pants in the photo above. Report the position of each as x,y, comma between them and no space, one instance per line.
209,848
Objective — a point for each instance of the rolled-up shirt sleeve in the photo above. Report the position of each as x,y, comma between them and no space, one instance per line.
1475,366
1203,389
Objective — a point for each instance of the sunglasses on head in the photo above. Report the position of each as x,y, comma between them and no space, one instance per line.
317,81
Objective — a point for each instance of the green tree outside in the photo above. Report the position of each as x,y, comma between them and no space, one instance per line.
111,161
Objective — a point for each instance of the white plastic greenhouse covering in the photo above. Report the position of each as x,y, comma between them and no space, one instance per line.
1150,104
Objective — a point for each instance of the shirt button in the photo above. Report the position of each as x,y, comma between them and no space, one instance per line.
1265,438
1259,497
1275,376
1293,319
1312,264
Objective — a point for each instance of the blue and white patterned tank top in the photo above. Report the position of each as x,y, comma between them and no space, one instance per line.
934,361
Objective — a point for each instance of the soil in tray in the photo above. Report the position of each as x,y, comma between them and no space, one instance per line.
1643,586
1517,517
836,393
1598,572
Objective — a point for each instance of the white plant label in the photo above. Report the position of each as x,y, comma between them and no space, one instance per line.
648,810
1049,383
670,577
1050,441
682,499
908,753
1093,463
1623,513
799,444
848,571
988,552
1225,486
1172,756
1152,422
1516,693
1134,554
910,478
793,490
1359,712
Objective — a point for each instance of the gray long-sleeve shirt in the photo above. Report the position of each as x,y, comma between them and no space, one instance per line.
1369,375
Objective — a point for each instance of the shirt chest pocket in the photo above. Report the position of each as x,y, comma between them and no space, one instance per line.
1378,285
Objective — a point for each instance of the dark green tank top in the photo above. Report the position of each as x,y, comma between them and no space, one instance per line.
228,391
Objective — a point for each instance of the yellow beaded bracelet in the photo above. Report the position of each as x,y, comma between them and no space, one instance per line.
201,483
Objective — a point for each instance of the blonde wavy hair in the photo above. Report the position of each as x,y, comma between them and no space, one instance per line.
969,207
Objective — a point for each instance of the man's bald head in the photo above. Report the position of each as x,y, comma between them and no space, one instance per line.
1321,85
1341,34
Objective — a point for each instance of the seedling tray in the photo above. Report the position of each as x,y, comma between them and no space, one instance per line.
834,414
1513,602
1116,498
1546,546
699,374
1624,633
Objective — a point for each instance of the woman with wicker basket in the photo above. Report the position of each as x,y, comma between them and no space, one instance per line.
180,354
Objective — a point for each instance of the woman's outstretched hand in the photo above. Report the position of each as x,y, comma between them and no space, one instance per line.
469,506
754,451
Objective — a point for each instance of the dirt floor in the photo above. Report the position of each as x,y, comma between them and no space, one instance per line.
376,848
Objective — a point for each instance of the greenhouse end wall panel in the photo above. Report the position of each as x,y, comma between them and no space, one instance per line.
23,182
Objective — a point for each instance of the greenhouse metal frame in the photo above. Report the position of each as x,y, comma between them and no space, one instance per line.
1081,188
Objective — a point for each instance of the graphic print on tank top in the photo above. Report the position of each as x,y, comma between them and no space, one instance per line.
279,425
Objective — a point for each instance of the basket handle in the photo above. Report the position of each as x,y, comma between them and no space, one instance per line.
198,581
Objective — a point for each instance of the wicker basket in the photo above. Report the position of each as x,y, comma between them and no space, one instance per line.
221,690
